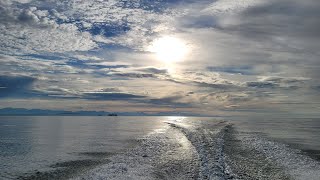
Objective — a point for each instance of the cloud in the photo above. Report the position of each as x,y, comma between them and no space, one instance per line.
87,64
140,72
30,16
257,33
285,80
110,96
132,75
243,54
278,13
205,79
29,31
280,82
226,97
15,85
174,100
289,29
33,27
261,84
154,70
243,70
107,29
30,66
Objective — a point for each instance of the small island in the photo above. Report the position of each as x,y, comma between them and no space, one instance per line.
112,114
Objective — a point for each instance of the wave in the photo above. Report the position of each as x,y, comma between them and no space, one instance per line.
214,150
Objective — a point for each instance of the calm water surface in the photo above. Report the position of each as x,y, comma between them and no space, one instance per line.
30,144
301,133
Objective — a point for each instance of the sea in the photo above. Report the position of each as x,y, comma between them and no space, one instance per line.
122,148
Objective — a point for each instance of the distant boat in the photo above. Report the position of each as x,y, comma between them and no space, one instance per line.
112,114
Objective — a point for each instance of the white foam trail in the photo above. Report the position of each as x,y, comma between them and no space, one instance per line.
165,154
300,167
206,150
209,144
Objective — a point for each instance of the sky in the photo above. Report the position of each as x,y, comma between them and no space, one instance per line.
197,56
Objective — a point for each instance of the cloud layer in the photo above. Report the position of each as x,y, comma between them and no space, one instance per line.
244,55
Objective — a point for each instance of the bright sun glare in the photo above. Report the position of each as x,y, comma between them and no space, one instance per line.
169,49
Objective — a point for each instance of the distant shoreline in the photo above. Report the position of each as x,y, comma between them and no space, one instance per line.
45,112
4,115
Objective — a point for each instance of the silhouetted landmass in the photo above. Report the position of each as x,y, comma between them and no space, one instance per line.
43,112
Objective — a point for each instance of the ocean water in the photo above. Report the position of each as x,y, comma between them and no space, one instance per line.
159,148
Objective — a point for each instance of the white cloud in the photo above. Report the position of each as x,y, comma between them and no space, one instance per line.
31,31
224,7
28,40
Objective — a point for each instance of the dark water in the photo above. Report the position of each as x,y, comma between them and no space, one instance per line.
159,148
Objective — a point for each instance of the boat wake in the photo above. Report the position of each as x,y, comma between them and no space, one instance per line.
213,150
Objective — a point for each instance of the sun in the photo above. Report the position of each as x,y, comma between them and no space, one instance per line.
169,49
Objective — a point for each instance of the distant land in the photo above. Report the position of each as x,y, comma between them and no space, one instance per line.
43,112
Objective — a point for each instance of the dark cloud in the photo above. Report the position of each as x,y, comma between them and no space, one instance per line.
110,96
18,14
174,100
27,16
110,90
260,84
132,75
6,15
287,80
87,64
15,85
293,17
155,5
245,70
201,21
221,86
226,97
144,72
190,93
115,94
107,29
154,70
289,83
45,57
294,21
